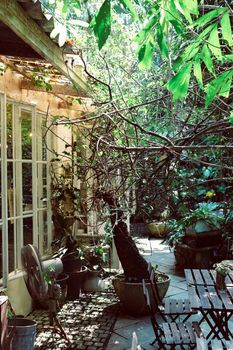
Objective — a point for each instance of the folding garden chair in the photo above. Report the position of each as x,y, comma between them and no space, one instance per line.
171,308
215,344
171,334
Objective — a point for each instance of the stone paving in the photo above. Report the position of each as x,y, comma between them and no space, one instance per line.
87,321
96,321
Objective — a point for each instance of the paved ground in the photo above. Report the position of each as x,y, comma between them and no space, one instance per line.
96,322
121,337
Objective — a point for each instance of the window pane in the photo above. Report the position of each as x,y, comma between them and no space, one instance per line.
26,134
42,185
0,195
11,241
1,251
27,231
9,115
10,189
41,138
43,228
27,186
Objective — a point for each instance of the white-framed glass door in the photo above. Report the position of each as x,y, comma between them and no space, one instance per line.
25,207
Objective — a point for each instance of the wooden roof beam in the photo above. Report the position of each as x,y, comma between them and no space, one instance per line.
12,14
58,89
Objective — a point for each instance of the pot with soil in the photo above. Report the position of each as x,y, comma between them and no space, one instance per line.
131,293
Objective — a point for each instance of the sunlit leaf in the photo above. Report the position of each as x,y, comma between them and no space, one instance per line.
215,87
145,53
161,41
231,117
203,20
182,8
197,72
101,23
179,84
226,28
206,58
129,6
214,43
141,36
192,6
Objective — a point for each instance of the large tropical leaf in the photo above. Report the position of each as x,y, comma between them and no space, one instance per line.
203,20
220,86
179,84
145,53
226,28
161,41
214,43
206,58
198,72
129,6
101,23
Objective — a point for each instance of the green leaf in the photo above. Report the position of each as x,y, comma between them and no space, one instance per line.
189,52
227,58
206,58
179,84
183,9
128,5
141,36
161,41
178,27
101,23
145,54
226,28
192,6
215,87
203,20
197,72
214,43
231,117
65,7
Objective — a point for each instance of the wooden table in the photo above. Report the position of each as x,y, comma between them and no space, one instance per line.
205,277
215,306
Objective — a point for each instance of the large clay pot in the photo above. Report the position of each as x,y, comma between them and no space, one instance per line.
158,229
131,294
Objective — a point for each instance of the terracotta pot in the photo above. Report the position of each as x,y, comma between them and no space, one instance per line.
131,294
158,229
220,281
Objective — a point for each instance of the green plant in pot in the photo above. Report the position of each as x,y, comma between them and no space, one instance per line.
72,259
94,259
222,269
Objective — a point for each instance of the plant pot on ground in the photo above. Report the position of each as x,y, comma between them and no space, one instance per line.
94,260
131,295
158,229
23,333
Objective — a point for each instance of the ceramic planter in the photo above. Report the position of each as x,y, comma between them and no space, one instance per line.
131,294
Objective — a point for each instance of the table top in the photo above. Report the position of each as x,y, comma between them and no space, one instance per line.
205,277
210,298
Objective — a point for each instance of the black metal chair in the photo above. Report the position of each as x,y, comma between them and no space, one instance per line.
171,334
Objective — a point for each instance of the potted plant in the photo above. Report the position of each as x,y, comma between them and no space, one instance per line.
196,236
72,258
94,260
222,269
